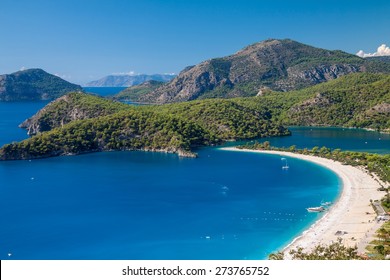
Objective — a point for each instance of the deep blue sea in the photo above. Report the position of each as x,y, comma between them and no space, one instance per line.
143,205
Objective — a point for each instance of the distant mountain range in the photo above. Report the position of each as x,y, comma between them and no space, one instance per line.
280,65
33,84
129,80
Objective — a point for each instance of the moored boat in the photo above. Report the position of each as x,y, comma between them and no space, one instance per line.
316,209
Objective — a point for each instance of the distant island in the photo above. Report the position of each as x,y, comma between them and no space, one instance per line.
33,84
124,80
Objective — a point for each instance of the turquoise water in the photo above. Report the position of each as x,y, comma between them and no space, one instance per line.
142,205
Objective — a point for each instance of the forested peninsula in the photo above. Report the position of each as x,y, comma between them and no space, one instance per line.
80,123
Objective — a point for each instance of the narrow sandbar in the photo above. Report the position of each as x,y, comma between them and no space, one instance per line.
352,214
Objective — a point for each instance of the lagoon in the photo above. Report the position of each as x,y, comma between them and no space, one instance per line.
143,205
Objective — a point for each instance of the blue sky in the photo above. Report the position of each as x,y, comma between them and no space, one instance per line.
83,40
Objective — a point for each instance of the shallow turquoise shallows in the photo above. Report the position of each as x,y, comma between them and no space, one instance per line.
143,205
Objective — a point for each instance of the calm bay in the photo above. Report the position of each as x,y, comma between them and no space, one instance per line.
143,205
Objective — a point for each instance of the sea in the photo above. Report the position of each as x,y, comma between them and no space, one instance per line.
145,205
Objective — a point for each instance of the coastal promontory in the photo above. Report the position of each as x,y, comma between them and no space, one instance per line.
81,123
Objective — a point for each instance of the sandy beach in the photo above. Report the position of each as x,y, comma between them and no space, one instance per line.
352,213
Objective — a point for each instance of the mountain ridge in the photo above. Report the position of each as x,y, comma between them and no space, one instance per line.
280,65
128,80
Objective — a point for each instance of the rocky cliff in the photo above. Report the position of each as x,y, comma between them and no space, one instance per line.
68,108
280,65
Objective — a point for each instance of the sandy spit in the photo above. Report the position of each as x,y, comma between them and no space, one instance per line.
352,213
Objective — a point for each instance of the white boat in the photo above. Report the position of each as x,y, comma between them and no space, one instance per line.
316,209
286,164
326,203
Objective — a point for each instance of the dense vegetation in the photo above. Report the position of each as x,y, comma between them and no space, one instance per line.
173,128
33,84
334,251
380,247
126,130
134,93
226,118
375,163
73,106
356,100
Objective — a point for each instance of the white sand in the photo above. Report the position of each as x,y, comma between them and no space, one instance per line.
348,214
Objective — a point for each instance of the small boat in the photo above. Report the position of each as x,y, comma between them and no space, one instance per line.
285,167
316,209
326,203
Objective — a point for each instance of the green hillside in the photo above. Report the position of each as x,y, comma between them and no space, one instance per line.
134,93
172,128
33,84
356,100
127,130
73,106
225,118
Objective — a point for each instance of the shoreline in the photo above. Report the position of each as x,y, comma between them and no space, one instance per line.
347,214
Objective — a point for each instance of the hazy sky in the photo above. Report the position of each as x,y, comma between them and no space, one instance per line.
83,40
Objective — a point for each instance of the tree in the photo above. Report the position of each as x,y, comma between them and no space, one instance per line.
292,148
334,251
380,249
278,256
324,150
